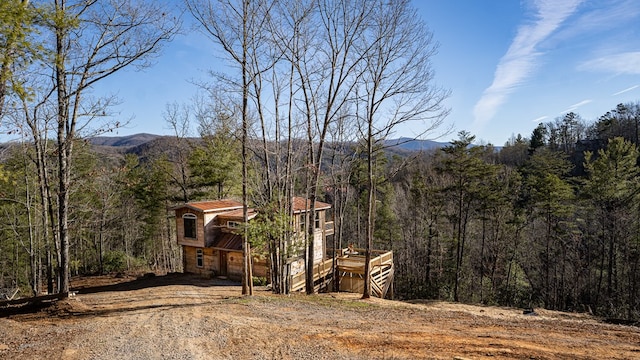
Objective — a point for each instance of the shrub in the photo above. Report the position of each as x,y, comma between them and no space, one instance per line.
115,261
259,281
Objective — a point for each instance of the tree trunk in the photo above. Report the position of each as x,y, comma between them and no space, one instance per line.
64,147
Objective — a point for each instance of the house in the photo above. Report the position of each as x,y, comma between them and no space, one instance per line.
207,232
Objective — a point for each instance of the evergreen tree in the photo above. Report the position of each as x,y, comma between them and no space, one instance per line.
466,168
613,188
216,166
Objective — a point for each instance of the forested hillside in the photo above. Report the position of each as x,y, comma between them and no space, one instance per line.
550,220
541,222
547,220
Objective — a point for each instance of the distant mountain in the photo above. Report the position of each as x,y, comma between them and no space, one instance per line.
144,144
409,144
123,141
403,143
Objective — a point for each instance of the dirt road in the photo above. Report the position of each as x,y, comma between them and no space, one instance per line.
183,317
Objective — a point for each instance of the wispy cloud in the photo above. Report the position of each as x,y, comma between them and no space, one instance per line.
626,90
627,63
539,120
597,18
518,63
575,106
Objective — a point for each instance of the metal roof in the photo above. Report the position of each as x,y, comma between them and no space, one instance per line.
232,208
301,204
214,205
238,214
228,241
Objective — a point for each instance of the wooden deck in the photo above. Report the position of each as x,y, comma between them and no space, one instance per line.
351,273
321,272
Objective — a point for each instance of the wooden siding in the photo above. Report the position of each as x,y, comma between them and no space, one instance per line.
234,265
209,259
211,263
206,228
200,234
261,267
209,228
318,246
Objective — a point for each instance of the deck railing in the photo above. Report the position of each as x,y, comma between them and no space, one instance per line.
351,268
320,270
351,272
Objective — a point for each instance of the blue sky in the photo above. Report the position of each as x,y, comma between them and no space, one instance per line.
509,64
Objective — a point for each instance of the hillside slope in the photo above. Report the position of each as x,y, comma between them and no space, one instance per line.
183,317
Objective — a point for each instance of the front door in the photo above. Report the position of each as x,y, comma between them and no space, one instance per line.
223,263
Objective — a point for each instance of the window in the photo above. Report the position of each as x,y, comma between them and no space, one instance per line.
317,222
233,224
199,258
303,218
189,221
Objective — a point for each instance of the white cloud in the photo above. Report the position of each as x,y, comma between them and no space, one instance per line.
601,16
517,65
539,120
627,63
575,106
626,90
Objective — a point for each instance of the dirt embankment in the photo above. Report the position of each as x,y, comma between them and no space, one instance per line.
183,317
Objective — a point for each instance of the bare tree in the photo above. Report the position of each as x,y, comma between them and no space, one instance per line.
396,87
328,73
177,117
238,27
93,40
329,51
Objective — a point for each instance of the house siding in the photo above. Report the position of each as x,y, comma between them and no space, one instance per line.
210,261
318,246
234,265
261,267
200,228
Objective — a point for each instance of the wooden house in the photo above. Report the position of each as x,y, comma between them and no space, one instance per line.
206,231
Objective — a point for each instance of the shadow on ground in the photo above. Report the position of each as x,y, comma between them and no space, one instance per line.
151,280
108,283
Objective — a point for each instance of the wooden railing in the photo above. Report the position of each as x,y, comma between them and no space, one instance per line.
381,278
355,263
351,270
320,270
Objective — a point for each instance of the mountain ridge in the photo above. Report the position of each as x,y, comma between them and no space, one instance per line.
134,140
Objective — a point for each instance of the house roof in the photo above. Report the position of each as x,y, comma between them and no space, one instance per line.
214,205
233,209
228,241
237,214
301,204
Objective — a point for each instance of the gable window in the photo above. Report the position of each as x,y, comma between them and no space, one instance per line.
189,221
317,222
199,258
233,224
